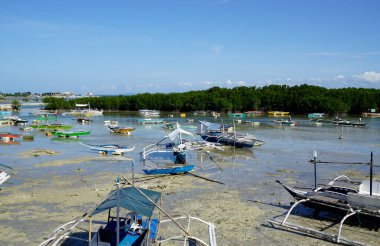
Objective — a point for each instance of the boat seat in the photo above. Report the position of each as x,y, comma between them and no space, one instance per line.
364,188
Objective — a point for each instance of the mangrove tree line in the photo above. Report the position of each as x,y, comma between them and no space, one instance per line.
296,99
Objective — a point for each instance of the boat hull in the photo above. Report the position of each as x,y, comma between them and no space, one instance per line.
169,170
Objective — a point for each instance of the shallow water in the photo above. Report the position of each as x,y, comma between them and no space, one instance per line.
250,172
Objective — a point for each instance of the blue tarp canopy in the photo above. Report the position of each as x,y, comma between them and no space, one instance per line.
131,199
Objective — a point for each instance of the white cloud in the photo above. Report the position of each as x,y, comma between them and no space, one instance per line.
185,84
241,83
339,77
208,82
228,82
371,76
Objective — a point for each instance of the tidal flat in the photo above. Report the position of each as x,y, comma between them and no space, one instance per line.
53,182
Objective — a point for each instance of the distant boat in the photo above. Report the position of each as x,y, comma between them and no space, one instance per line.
238,115
277,113
149,113
150,121
340,122
316,115
71,134
85,112
121,130
285,122
114,149
6,136
56,126
83,120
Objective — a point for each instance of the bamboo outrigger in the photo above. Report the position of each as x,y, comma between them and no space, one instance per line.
363,201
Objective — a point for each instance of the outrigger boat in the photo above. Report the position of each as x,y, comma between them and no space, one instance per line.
172,169
362,200
140,225
216,133
52,127
121,130
114,149
6,136
70,134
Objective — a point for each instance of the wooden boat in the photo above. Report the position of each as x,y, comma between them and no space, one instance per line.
83,120
3,176
316,115
70,134
6,136
347,199
134,218
52,127
122,130
340,122
170,149
150,121
114,149
176,169
216,133
238,115
277,113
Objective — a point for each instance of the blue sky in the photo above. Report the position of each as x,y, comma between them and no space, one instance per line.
134,46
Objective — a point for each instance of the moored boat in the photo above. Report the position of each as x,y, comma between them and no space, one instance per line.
122,130
6,136
150,121
170,169
70,134
277,113
316,115
114,149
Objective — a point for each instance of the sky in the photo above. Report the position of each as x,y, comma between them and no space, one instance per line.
122,47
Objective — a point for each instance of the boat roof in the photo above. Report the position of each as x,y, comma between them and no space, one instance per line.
176,133
131,199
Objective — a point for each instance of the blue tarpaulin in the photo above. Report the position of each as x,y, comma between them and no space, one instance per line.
131,199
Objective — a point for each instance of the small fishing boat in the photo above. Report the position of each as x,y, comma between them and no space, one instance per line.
114,149
342,197
172,169
111,123
285,122
52,127
216,133
134,218
122,130
149,113
6,136
316,115
150,121
238,115
83,120
277,113
3,176
70,134
350,123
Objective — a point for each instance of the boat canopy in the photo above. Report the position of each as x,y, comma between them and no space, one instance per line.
131,199
177,132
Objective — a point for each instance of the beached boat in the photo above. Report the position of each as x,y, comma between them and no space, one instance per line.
121,130
150,121
342,197
134,218
70,134
3,176
216,133
170,149
114,149
171,169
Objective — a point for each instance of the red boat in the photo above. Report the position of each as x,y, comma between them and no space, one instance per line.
6,136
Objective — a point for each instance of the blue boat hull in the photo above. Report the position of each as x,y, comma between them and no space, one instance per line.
169,170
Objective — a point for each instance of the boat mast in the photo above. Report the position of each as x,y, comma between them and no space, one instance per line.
370,174
118,211
315,168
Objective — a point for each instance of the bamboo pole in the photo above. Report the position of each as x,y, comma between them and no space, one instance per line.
90,231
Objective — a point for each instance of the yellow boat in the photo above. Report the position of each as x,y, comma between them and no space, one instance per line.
277,113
